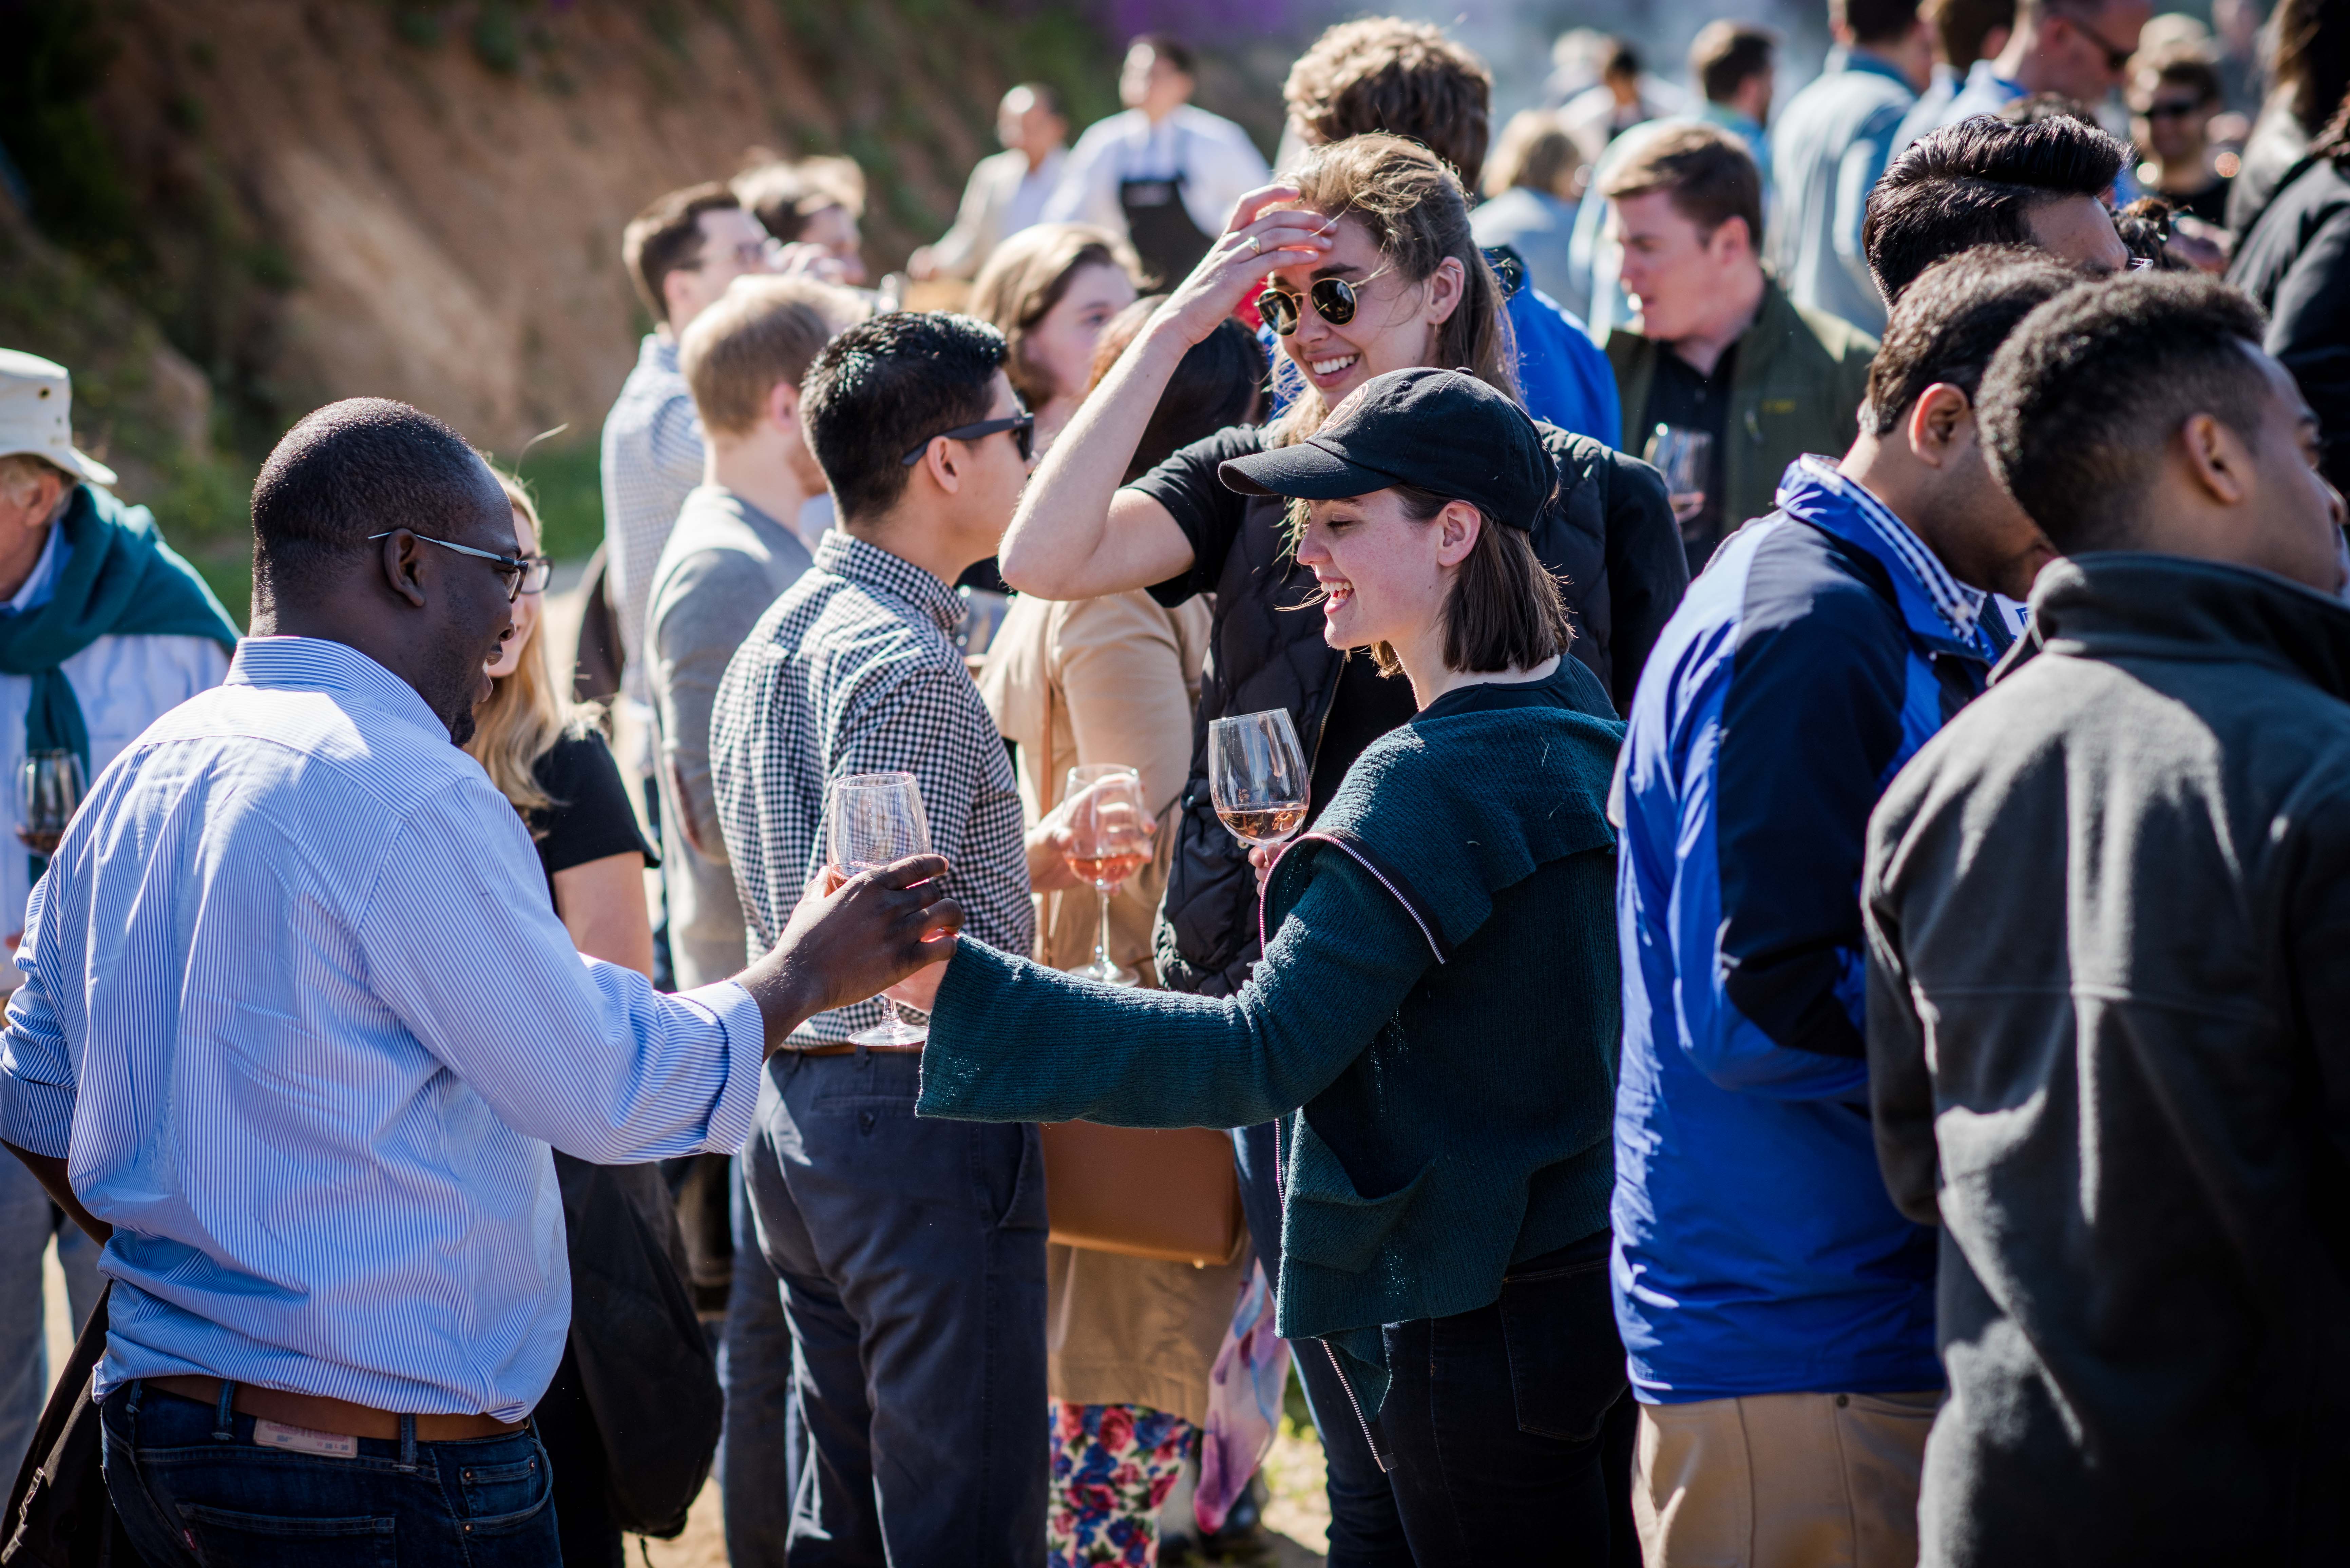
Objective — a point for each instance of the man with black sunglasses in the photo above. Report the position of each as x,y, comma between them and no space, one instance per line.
2077,50
912,1253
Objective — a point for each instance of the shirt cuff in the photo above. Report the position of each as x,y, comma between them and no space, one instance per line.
746,1060
35,1118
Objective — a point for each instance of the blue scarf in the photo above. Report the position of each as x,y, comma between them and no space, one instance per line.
122,581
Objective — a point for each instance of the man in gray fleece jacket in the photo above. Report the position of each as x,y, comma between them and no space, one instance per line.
2108,911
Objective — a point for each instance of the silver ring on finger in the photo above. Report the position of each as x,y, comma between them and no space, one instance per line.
1256,247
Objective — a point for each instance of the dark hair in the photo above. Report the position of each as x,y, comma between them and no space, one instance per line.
2183,66
1951,321
1503,611
2080,402
1169,48
2309,51
1406,78
1975,183
1876,21
1620,60
1961,27
667,237
2145,228
1707,171
1220,383
1047,96
1725,54
355,468
885,386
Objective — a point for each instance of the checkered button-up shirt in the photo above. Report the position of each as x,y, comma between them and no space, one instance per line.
852,672
652,458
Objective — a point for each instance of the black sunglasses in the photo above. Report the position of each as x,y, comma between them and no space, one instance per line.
1022,425
2177,108
1333,297
522,574
2115,59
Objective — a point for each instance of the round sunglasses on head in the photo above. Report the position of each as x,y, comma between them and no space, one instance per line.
1334,301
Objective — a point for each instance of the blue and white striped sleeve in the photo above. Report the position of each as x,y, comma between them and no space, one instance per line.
36,1077
583,1054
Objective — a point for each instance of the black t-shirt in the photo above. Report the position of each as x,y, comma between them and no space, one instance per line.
1680,395
1367,704
591,818
2210,204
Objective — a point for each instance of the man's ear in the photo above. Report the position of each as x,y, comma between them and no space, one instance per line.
783,405
942,461
1939,420
402,560
2217,459
1726,239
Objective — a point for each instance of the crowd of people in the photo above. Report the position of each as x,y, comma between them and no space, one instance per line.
1784,1015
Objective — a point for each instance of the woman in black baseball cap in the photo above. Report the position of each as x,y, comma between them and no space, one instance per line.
1435,1016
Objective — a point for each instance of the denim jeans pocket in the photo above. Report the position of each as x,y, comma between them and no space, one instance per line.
1567,1364
225,1539
506,1495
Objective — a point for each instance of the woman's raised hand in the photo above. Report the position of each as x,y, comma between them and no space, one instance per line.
1255,243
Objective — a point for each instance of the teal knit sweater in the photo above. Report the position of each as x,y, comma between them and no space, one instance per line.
1438,1003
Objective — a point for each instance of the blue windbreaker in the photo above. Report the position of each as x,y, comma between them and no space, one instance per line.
1756,1250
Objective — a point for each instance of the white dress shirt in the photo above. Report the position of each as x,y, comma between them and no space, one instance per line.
301,1020
1218,163
123,684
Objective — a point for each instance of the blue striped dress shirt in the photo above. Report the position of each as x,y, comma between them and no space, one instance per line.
298,1016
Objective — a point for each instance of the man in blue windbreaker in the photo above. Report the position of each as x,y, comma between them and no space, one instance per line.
1777,1310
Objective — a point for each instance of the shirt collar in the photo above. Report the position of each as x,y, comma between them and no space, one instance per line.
39,586
1933,602
315,664
1985,76
1861,60
846,556
657,352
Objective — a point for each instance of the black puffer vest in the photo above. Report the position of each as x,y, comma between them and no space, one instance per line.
1608,533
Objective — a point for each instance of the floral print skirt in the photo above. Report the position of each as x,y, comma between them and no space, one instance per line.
1113,1466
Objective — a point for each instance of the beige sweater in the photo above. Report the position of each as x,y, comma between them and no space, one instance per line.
1112,680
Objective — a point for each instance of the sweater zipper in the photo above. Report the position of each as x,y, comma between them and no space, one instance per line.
1281,1191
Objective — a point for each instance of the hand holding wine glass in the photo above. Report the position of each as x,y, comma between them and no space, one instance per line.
1256,775
870,821
1109,828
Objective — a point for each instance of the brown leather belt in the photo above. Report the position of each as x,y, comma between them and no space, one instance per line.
339,1417
844,1049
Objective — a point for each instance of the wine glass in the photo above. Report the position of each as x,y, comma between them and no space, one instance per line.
49,786
1109,843
1683,456
872,820
1256,775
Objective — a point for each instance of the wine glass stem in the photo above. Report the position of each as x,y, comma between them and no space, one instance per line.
1101,932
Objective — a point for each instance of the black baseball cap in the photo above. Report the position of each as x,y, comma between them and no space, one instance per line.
1443,431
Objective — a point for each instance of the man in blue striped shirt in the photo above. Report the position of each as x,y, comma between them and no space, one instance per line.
298,1025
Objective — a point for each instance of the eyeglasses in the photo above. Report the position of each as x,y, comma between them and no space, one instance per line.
1023,426
1334,300
747,253
523,573
2115,59
2174,109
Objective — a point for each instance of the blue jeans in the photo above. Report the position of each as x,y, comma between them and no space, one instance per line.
28,1221
1497,1423
192,1488
912,1258
1365,1530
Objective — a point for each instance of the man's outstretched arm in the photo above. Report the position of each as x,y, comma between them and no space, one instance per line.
856,941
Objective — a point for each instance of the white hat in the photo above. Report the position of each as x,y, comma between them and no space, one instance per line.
37,415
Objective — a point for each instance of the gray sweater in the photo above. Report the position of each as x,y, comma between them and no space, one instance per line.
724,564
2108,913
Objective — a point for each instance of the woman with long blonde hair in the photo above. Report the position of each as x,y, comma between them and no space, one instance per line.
1369,266
1051,289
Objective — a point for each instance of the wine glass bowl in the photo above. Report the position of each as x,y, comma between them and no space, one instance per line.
49,787
872,820
1256,775
1683,456
1108,842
